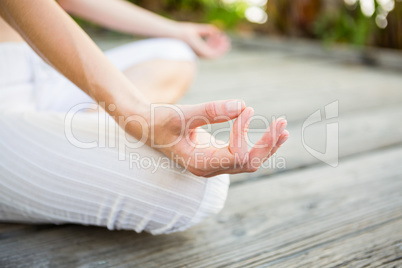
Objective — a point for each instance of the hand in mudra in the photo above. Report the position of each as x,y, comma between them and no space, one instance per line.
178,135
206,40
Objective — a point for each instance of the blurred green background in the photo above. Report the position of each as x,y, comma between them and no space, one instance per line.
358,22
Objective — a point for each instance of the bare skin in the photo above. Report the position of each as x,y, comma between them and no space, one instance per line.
8,34
157,79
162,81
85,65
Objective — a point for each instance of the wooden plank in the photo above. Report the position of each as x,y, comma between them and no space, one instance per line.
350,215
279,82
345,252
275,84
359,132
386,58
369,101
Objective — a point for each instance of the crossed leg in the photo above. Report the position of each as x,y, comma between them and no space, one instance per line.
47,177
162,81
162,68
50,176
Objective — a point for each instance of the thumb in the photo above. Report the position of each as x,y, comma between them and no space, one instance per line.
202,48
212,112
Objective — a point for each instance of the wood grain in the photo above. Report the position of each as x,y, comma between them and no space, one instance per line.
319,217
304,215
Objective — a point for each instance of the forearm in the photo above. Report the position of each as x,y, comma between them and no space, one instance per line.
60,42
123,16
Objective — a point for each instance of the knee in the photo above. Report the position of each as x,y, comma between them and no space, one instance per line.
175,78
172,49
181,61
167,200
213,201
183,72
214,197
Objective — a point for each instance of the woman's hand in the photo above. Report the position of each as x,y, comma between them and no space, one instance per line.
206,40
175,131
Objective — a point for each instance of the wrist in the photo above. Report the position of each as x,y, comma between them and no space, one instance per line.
179,31
131,111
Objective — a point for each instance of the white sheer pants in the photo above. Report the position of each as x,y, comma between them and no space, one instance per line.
46,178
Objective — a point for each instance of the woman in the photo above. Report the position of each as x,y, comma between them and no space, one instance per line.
48,174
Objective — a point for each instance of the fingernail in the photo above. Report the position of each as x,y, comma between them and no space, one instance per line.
282,141
233,107
283,126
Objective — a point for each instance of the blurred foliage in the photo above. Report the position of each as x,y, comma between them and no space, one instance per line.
346,25
391,36
333,21
224,15
292,17
329,20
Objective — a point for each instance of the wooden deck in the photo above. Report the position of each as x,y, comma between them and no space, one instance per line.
306,214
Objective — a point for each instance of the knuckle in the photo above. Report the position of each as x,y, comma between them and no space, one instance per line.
210,110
